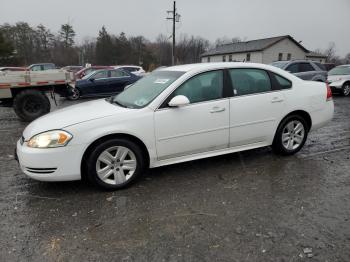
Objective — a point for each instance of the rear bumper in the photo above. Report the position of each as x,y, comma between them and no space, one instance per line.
322,117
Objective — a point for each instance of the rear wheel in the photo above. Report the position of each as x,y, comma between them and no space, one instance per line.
115,164
346,89
291,135
31,104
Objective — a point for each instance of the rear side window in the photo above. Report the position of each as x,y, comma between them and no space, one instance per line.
305,67
101,74
320,66
293,68
118,73
248,81
281,82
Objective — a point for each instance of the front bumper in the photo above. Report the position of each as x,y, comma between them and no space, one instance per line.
336,86
52,164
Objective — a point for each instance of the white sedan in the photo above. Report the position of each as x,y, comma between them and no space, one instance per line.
173,115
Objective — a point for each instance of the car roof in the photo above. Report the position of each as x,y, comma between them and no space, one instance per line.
209,66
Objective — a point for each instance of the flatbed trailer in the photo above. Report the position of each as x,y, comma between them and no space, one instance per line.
27,91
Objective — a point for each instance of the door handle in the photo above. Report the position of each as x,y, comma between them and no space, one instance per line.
217,109
277,100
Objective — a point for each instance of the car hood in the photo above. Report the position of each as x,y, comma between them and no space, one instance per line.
80,82
338,77
72,115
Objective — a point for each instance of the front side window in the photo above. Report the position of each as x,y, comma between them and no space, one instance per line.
248,81
145,90
36,68
100,74
203,87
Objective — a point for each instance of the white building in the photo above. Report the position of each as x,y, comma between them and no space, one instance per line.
264,51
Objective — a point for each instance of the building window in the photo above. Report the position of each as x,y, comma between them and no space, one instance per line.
280,57
230,58
248,57
289,56
224,58
208,59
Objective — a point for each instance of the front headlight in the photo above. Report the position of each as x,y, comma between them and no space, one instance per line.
55,138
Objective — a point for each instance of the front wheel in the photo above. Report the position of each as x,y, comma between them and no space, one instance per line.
345,89
115,164
290,136
74,94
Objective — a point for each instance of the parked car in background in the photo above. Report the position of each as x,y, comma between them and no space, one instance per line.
339,79
87,70
104,82
174,115
12,69
73,69
304,69
136,70
41,67
328,66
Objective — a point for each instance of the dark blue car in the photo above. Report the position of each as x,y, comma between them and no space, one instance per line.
105,82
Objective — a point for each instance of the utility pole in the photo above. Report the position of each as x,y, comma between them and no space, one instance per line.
175,17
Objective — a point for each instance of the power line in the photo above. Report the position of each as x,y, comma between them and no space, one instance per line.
175,17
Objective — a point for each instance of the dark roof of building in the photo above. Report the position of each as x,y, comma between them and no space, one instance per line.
250,46
314,54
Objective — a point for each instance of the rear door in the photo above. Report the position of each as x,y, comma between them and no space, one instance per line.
255,108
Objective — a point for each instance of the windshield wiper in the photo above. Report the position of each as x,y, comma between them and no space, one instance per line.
118,103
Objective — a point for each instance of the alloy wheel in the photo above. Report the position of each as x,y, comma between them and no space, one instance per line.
116,165
293,135
346,90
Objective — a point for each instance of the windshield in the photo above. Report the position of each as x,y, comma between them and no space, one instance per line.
340,70
146,89
280,64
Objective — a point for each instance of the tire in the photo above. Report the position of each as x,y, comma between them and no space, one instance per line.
117,176
75,94
345,91
31,104
291,135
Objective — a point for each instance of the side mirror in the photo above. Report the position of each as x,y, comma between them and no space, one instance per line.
179,101
92,79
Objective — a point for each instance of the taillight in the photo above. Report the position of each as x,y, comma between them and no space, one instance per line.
329,92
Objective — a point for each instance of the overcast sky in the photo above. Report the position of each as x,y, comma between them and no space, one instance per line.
314,22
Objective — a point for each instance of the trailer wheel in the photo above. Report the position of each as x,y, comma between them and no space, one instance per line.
31,104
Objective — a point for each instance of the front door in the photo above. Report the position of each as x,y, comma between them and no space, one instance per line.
98,84
201,126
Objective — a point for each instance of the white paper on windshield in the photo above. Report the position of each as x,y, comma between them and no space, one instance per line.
161,81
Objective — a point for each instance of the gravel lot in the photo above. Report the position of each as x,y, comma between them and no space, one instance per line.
250,206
